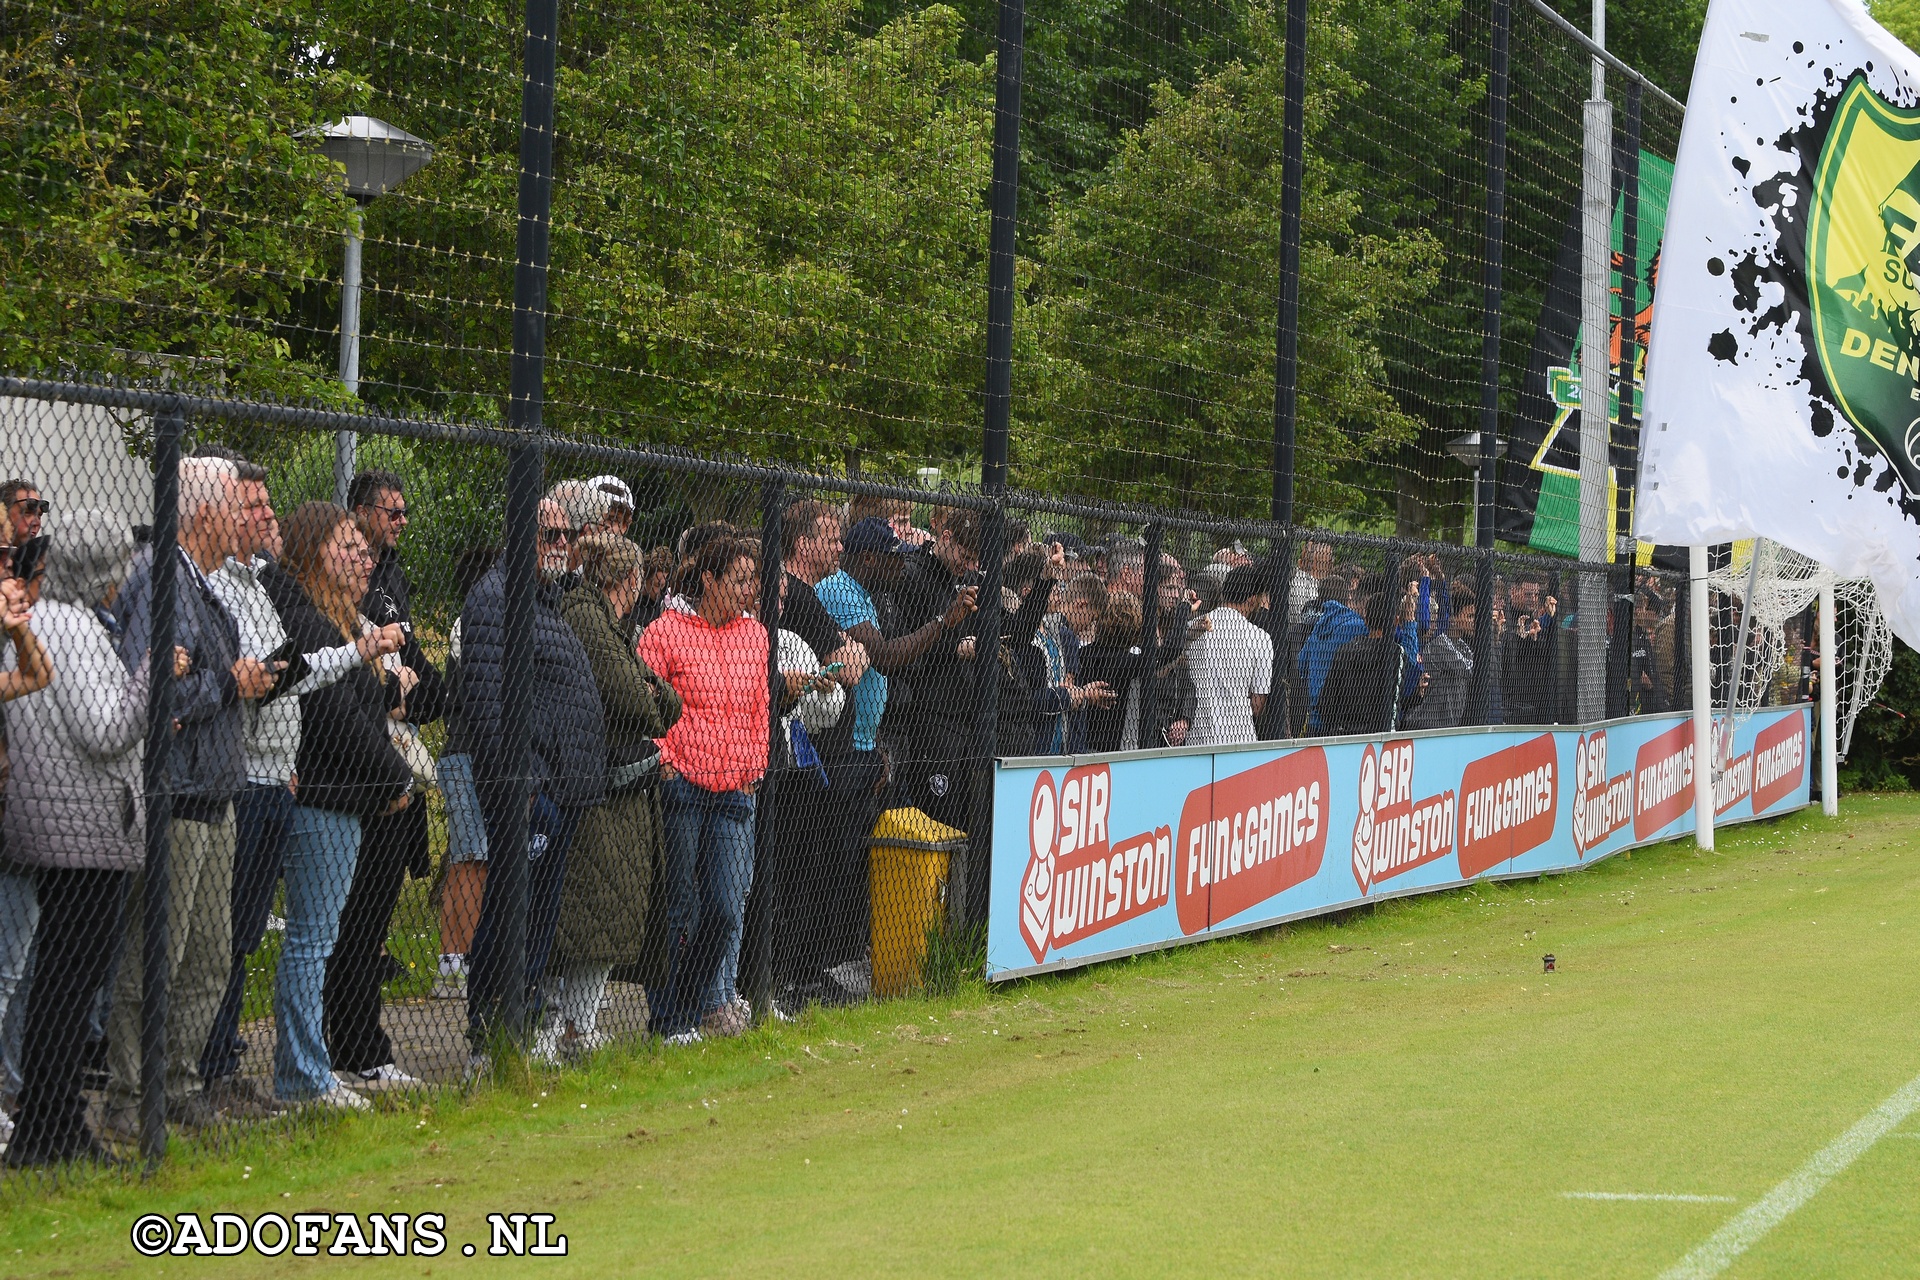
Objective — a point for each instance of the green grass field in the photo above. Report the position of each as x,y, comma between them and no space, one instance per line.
1397,1092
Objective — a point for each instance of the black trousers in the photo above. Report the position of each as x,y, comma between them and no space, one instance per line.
79,930
821,837
358,966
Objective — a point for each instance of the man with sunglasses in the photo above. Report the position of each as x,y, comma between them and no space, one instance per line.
24,508
395,844
566,774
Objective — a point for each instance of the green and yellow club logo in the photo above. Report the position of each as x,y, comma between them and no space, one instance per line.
1863,256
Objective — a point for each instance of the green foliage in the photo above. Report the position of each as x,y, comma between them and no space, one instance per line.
1155,320
1901,17
158,204
1885,752
1658,37
767,232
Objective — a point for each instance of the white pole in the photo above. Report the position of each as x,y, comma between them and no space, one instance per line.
1596,376
1829,708
345,442
1700,643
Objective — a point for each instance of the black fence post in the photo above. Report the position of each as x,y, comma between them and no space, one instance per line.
972,880
1150,640
1001,243
1276,721
763,898
1496,234
525,476
1286,341
156,972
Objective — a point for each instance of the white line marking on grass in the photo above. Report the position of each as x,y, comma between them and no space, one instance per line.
1662,1196
1747,1227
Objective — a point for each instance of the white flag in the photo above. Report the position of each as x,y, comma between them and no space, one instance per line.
1783,373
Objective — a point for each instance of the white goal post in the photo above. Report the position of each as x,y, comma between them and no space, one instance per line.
1772,587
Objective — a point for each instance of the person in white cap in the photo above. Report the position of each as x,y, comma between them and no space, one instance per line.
620,514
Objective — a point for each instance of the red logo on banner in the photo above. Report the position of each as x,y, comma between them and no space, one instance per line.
1601,805
1246,838
1393,834
1078,882
1507,804
1779,761
1663,780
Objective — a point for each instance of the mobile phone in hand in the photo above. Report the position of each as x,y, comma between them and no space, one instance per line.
27,557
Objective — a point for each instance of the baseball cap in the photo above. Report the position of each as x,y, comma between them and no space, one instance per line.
871,534
615,488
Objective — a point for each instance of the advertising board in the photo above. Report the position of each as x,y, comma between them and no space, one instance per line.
1096,857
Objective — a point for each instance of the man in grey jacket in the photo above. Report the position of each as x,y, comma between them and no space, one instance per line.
206,768
1449,664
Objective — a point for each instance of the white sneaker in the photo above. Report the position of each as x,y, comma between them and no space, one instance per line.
385,1076
546,1046
728,1019
339,1098
684,1037
6,1130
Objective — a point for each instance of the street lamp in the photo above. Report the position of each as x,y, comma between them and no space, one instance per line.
1465,450
377,158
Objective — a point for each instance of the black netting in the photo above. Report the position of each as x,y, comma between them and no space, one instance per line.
405,584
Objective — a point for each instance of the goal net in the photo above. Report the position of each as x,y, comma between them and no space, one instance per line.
1772,593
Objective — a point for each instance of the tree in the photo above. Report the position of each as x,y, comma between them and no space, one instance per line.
160,213
1152,376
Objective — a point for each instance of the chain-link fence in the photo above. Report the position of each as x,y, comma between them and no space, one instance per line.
397,693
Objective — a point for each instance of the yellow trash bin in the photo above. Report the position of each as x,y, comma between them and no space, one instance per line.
911,854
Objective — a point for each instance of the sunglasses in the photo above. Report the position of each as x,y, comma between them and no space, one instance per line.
554,537
34,506
392,513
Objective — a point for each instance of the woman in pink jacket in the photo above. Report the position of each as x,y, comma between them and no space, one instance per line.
711,764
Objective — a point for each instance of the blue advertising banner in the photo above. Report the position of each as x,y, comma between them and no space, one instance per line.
1102,856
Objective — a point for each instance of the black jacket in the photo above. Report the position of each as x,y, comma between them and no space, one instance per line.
207,763
389,599
937,689
1362,693
346,762
1529,670
569,735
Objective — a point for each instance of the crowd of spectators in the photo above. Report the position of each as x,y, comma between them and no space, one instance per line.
651,731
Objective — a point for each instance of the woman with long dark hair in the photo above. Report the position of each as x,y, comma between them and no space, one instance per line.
348,770
712,761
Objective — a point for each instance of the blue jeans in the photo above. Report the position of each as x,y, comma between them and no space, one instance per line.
709,864
321,850
19,917
262,816
466,823
550,831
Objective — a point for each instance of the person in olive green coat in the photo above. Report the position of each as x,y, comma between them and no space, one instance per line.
609,874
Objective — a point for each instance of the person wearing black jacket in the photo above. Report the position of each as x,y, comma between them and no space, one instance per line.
1531,654
568,763
931,699
393,846
347,772
1364,690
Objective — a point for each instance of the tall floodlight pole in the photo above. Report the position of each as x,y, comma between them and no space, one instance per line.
377,157
1596,343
